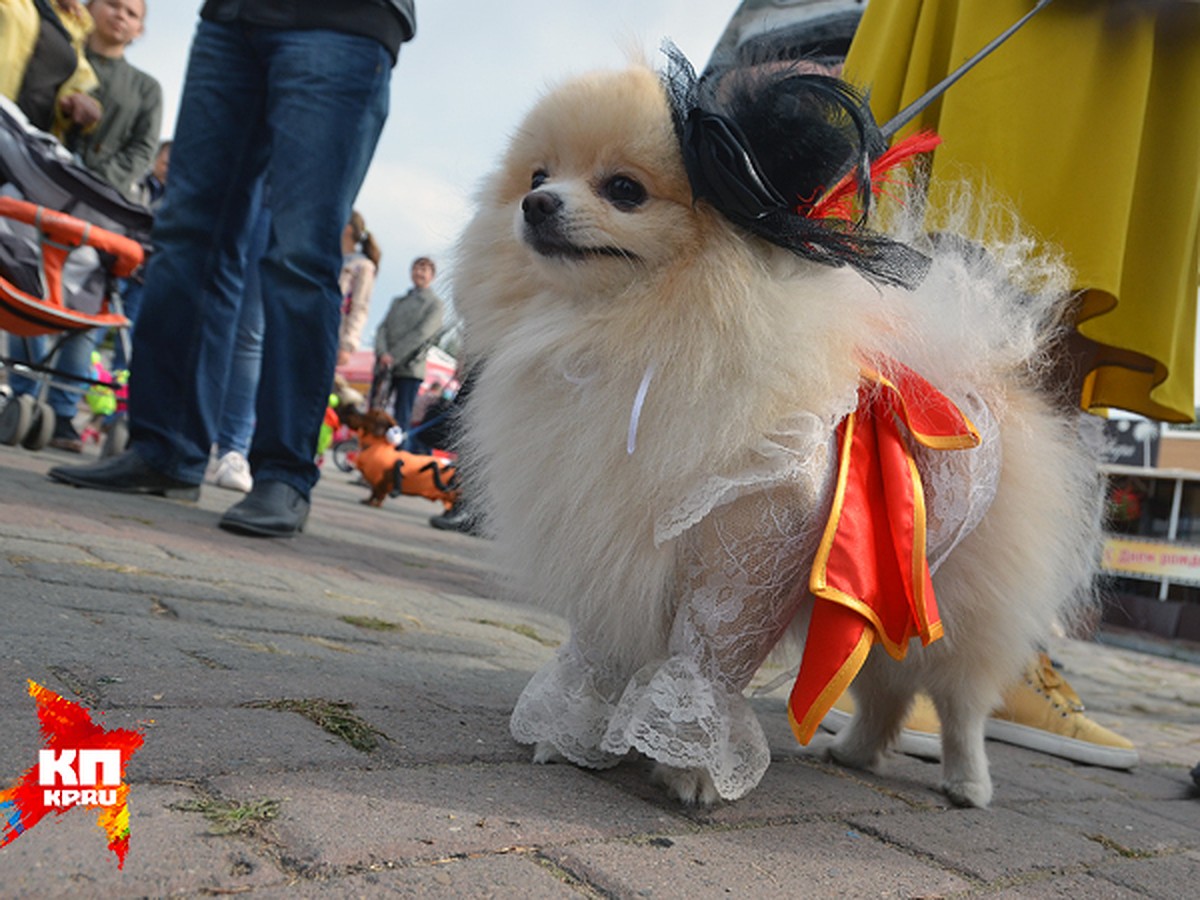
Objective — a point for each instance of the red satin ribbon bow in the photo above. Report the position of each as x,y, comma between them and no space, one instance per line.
871,577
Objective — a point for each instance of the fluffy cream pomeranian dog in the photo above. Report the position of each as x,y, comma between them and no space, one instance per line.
669,353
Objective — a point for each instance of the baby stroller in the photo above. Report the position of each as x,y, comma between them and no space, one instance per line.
65,239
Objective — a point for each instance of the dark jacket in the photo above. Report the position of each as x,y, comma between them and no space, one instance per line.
391,22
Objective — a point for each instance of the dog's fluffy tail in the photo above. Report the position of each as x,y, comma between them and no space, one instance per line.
994,313
995,305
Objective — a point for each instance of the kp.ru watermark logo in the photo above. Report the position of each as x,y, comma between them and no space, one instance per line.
96,775
83,764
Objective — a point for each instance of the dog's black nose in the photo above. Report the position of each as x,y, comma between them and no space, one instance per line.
539,206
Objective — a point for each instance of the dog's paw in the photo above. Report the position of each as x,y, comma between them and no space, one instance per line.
691,786
853,755
821,746
545,753
969,793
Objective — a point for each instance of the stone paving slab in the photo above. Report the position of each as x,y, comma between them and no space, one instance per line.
1164,878
817,859
979,842
171,853
145,612
523,874
348,819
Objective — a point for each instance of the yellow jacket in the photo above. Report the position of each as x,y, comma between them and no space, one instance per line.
19,26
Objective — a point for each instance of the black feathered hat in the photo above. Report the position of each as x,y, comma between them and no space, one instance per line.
767,145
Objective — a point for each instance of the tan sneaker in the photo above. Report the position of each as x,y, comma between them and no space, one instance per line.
921,735
1042,712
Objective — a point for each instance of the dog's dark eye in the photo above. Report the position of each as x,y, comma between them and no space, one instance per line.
623,192
538,179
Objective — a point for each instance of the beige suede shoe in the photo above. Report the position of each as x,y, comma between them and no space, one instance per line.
1042,712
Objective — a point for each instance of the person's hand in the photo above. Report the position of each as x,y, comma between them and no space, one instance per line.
81,109
343,357
385,359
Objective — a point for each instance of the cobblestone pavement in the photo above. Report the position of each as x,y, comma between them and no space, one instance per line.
225,651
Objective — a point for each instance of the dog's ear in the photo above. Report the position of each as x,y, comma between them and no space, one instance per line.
379,422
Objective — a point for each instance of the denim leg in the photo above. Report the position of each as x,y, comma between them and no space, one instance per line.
131,300
25,349
74,358
192,295
407,390
326,108
236,426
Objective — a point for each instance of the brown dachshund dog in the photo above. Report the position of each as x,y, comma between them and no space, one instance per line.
391,472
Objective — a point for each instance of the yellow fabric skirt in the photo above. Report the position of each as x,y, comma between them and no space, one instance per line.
1088,122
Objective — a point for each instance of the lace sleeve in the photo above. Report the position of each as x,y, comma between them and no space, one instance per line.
744,577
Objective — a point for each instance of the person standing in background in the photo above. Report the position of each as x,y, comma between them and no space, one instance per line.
121,147
1028,123
407,331
44,70
148,191
43,67
360,264
118,151
295,96
153,185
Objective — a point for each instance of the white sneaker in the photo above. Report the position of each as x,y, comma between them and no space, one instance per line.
232,473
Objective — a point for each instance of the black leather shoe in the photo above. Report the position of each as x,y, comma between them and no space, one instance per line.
125,473
457,518
271,509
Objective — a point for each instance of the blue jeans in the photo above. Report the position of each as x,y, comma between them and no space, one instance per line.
304,110
131,300
74,358
406,390
235,428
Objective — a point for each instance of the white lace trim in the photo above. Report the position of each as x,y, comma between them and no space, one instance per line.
798,452
675,715
564,705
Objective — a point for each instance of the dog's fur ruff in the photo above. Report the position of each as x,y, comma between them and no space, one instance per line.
741,335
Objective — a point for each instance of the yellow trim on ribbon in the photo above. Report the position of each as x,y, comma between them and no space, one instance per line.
934,442
807,727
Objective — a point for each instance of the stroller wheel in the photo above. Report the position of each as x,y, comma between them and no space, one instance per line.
342,451
42,428
118,438
15,419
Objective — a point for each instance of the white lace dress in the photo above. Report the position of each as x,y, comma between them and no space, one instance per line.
744,547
